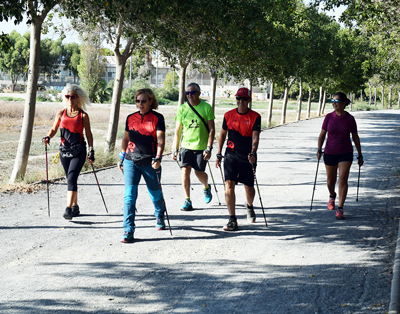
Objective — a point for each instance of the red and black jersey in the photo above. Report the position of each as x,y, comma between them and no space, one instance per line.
143,134
240,128
72,129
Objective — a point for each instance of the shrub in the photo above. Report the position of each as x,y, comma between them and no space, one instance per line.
168,92
128,94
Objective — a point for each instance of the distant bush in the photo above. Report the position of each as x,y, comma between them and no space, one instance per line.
49,95
168,92
163,101
128,94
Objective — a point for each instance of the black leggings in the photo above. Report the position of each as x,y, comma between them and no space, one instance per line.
72,167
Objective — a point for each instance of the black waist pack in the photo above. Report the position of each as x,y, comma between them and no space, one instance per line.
70,151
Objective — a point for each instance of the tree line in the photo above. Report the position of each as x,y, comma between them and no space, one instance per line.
279,41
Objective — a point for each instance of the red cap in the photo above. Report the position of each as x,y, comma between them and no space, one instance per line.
243,92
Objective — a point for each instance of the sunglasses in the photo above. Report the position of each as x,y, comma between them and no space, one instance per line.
238,98
143,101
192,92
71,96
335,100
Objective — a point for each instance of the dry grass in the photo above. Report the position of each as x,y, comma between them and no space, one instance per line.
11,116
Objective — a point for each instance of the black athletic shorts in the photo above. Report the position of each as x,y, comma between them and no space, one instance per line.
238,171
334,160
193,158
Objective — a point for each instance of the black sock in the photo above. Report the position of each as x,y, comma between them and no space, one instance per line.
250,207
340,208
233,217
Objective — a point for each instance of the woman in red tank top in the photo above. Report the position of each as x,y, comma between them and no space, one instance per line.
72,121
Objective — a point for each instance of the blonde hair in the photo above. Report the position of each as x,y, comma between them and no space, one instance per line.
83,98
150,95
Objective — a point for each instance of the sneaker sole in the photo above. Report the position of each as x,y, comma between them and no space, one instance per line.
187,209
208,201
160,228
227,229
126,241
67,217
340,218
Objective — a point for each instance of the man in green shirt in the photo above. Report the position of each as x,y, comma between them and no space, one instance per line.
195,138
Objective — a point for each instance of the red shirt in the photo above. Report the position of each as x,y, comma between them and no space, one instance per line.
71,129
240,128
143,134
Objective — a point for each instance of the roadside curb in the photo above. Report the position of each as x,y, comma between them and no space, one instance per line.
394,306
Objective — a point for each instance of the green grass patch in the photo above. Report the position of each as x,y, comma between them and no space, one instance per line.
11,99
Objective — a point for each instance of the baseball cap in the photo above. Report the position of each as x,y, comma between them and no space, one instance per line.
243,92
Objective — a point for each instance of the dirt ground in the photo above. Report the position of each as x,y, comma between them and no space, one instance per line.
304,262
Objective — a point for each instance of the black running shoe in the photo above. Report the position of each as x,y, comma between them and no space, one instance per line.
231,225
75,210
68,213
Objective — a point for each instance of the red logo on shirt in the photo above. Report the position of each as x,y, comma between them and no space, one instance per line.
131,147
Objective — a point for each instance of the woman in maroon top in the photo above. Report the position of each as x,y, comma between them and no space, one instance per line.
72,121
338,153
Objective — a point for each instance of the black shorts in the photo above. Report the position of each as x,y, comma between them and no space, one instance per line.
237,171
334,160
193,158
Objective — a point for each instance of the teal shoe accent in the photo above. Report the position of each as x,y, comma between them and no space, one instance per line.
187,205
207,195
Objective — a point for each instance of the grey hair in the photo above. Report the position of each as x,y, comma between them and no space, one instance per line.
196,86
83,98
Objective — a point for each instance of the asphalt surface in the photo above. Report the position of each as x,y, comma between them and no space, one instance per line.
304,262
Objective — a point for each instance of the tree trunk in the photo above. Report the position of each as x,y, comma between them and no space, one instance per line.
390,96
117,91
21,159
299,102
323,102
310,88
351,101
271,103
214,79
383,95
115,105
14,81
361,95
285,100
288,85
321,92
375,95
182,78
370,93
398,101
251,93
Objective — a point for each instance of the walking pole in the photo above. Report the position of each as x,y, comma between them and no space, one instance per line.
315,182
94,172
162,195
223,180
215,187
255,179
47,182
220,168
358,184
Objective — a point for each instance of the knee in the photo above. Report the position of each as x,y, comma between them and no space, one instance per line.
342,181
155,195
130,194
230,186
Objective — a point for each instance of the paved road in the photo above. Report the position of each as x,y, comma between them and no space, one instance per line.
304,262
